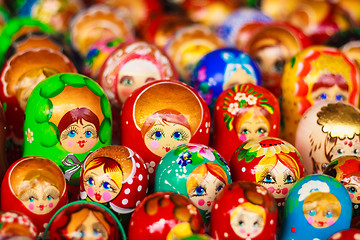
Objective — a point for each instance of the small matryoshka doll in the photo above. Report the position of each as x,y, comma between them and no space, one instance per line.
165,216
36,187
160,116
240,25
317,207
346,169
244,210
98,22
348,234
56,13
271,162
67,116
189,45
327,131
316,74
243,112
16,225
132,65
116,177
271,47
84,220
196,171
221,69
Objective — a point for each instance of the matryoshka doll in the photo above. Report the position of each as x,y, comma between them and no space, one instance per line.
164,216
67,116
116,177
244,210
271,47
16,225
189,45
348,234
84,220
327,131
316,74
195,171
160,116
36,187
243,112
346,169
221,69
317,207
98,22
271,162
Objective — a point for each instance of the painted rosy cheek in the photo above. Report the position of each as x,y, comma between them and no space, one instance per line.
154,144
285,191
310,220
31,206
351,195
106,196
243,137
91,192
201,202
330,222
51,205
70,143
271,189
242,230
262,135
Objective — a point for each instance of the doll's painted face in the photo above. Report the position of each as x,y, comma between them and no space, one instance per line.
353,188
40,197
333,93
164,136
91,228
133,75
251,126
277,179
321,210
103,186
247,223
28,82
204,195
79,137
345,147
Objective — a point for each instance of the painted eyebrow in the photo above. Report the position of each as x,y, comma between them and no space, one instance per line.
88,125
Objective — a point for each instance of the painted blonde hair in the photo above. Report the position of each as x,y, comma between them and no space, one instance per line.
249,207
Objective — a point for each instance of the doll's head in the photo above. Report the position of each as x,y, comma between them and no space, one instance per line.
330,87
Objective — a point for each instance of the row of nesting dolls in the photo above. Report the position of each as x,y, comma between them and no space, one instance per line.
193,195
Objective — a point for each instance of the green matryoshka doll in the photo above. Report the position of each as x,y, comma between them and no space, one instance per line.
67,117
196,171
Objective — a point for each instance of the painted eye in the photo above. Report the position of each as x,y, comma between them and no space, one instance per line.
97,232
31,199
127,81
289,179
241,223
268,179
72,133
340,151
323,96
339,97
177,135
356,151
106,185
279,66
91,181
219,188
200,191
312,213
256,224
245,131
158,135
150,79
328,214
87,134
352,190
261,130
49,197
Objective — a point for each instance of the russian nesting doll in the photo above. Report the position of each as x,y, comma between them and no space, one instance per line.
196,171
36,187
317,207
243,112
349,234
244,210
327,131
271,162
316,74
165,215
15,225
160,116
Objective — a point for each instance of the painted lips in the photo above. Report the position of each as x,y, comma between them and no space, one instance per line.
97,196
81,143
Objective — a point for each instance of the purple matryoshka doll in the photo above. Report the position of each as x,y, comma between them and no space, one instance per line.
244,210
327,131
271,162
160,116
317,207
222,69
243,112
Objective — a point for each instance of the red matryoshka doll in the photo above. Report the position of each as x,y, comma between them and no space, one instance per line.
271,162
244,210
316,74
98,22
346,169
327,131
164,216
243,112
319,19
271,46
160,116
349,234
84,220
36,187
16,225
189,45
116,177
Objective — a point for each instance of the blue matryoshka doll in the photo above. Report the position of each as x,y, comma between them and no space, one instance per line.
221,69
317,207
196,171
